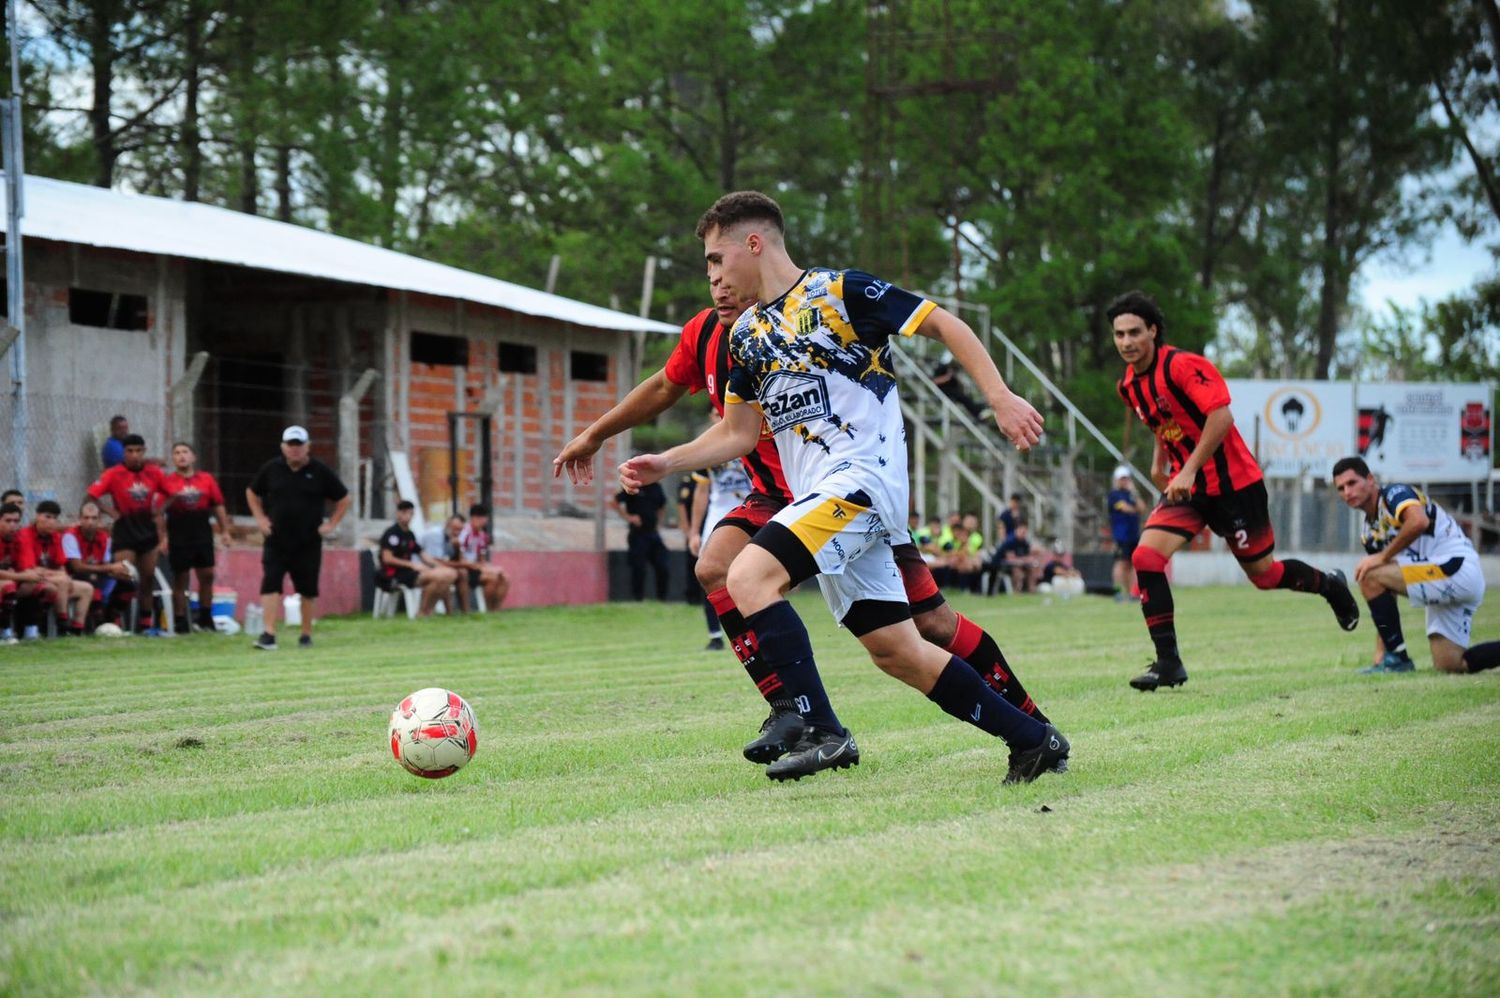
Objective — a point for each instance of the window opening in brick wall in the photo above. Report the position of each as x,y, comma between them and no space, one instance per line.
590,366
435,348
518,358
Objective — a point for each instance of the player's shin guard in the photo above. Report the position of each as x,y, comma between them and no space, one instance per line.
1156,602
974,645
777,635
1386,615
960,691
1481,657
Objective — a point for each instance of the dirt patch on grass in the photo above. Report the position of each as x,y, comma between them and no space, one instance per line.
1455,844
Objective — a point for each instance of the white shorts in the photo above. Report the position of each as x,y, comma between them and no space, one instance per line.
1450,599
851,546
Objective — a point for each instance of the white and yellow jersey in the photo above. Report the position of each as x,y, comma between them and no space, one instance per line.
1439,544
816,362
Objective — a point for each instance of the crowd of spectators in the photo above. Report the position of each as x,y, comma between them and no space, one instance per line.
962,559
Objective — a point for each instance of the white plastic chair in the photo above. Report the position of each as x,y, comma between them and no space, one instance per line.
386,599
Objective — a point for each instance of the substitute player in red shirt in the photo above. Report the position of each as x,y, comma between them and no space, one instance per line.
192,497
701,362
42,549
135,488
1208,477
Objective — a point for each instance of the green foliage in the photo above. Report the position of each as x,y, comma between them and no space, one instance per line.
1038,157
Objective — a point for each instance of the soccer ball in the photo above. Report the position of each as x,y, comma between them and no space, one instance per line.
433,733
107,630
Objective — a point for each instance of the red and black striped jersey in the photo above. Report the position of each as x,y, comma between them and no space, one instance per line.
1174,397
701,362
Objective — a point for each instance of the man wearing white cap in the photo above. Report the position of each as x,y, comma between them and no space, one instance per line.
287,497
1125,528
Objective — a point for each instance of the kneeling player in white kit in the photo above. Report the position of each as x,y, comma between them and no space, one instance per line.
1413,547
812,362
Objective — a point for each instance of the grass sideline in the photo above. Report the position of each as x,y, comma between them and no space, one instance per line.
189,816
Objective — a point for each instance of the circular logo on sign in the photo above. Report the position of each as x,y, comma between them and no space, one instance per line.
1293,413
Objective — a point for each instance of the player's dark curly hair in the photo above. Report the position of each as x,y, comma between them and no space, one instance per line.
1141,304
741,206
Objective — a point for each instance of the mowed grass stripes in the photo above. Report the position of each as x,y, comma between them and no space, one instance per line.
189,816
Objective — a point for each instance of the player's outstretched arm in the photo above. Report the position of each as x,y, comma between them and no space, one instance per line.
1017,418
733,436
645,402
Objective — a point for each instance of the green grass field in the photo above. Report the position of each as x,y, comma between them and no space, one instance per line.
185,816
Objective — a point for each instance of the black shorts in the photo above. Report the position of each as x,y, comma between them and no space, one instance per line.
476,579
752,514
1242,518
190,545
303,565
185,555
1124,549
134,533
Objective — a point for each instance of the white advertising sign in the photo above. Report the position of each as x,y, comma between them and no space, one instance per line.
1294,427
1426,432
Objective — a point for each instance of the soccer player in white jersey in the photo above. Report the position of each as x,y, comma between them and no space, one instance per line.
1413,546
811,361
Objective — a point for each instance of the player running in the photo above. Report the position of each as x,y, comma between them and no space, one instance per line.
1413,546
1207,476
811,363
702,362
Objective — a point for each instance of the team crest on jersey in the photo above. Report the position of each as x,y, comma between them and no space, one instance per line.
1170,432
792,397
807,321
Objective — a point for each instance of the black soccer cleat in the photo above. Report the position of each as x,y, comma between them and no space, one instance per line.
714,644
779,733
815,751
1345,606
266,642
1159,674
1049,754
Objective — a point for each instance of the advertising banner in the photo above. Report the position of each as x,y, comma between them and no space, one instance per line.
1426,432
1294,427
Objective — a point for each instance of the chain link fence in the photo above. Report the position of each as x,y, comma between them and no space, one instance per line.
62,442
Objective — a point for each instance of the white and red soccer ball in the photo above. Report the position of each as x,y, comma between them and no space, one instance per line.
433,733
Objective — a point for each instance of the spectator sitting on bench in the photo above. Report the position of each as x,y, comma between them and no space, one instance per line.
1014,557
403,562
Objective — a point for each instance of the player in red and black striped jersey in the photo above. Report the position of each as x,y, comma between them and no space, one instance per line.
42,550
135,488
192,497
701,362
1208,477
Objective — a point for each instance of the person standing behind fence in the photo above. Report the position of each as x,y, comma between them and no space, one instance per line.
192,496
135,489
644,543
1125,528
287,498
113,452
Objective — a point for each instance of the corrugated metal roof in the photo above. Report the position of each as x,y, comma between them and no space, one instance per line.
94,216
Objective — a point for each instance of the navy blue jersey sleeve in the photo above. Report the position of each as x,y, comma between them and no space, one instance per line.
879,309
1398,497
741,382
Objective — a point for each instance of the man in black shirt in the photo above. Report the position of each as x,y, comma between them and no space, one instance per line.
644,542
287,497
404,563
